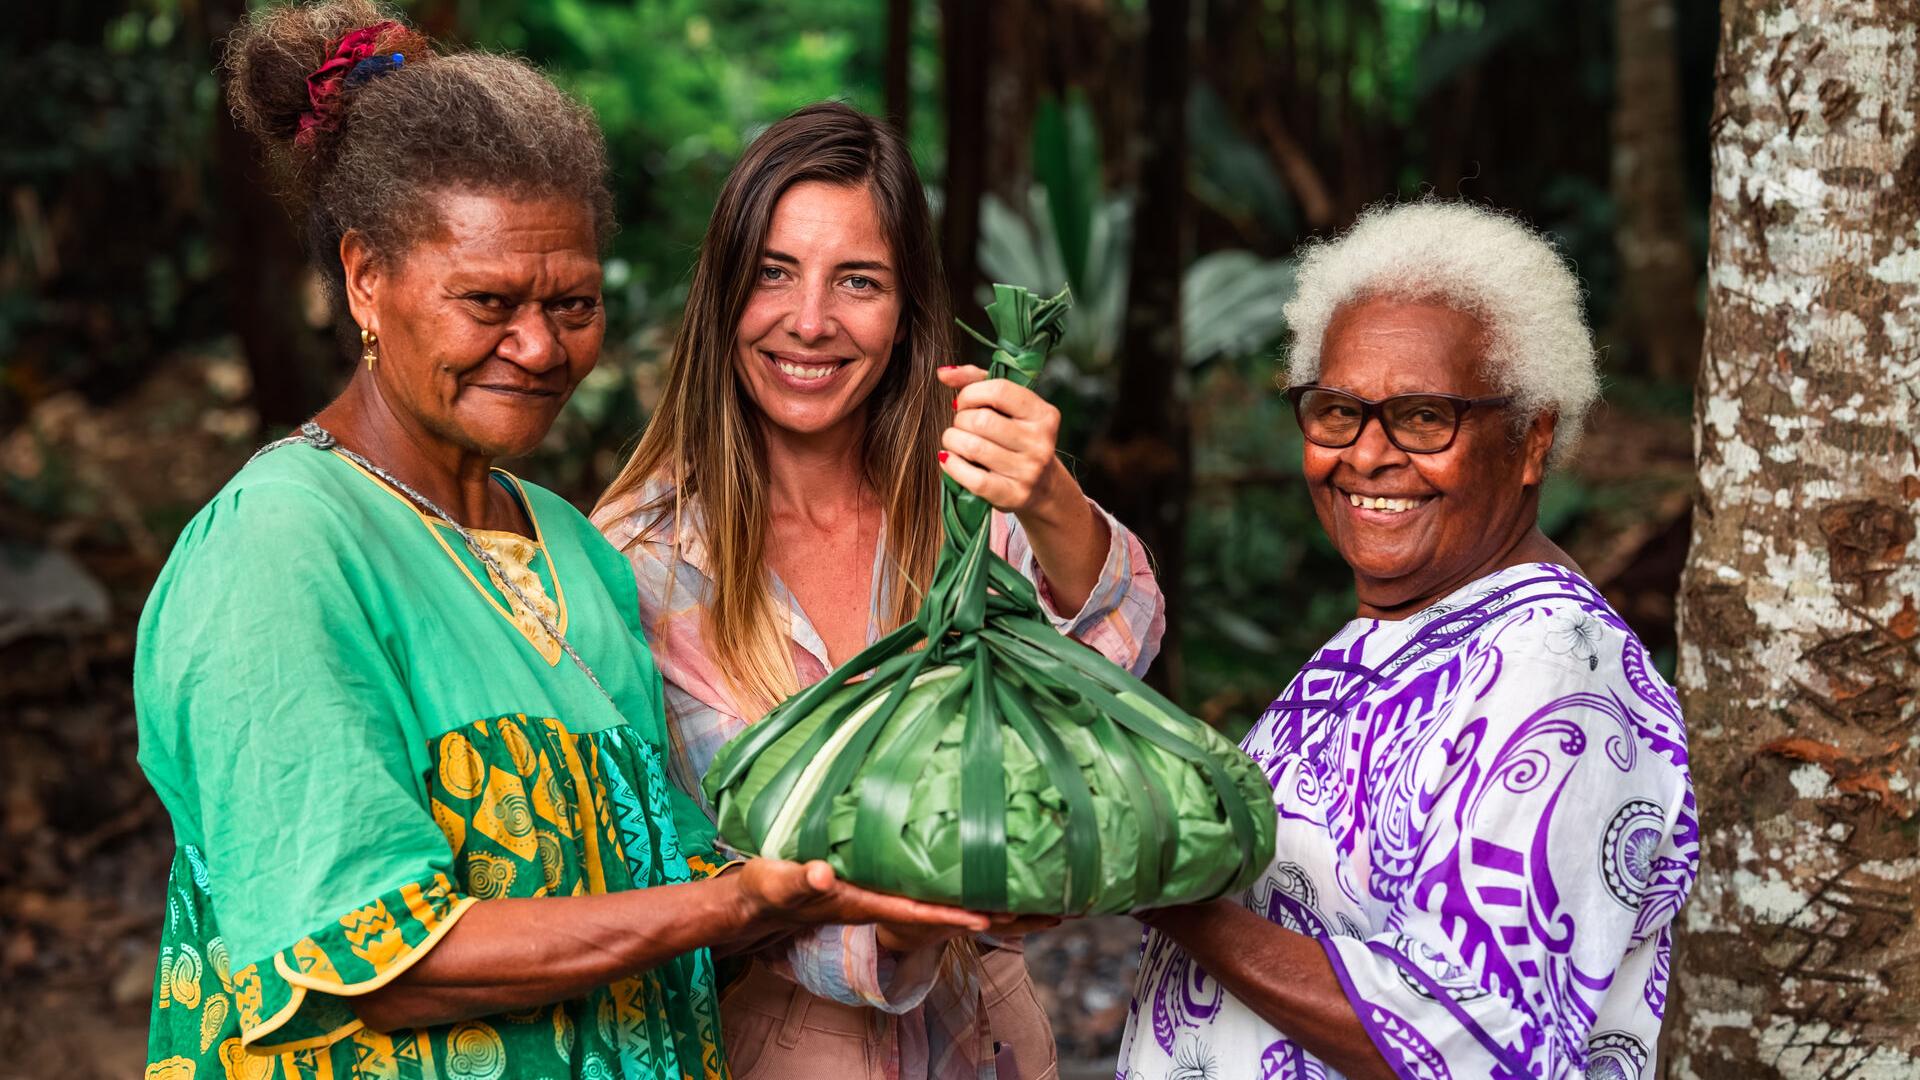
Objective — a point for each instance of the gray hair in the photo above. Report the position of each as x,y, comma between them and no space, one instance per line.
443,121
1485,264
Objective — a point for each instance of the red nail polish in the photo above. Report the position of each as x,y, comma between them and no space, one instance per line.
943,457
956,403
948,367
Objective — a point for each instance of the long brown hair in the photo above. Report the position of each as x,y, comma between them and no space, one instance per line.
705,438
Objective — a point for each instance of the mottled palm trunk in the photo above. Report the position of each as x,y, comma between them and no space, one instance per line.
1800,607
1656,320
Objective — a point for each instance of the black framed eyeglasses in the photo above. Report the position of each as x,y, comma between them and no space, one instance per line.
1416,423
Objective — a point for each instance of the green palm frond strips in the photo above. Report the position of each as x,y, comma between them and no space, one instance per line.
1003,767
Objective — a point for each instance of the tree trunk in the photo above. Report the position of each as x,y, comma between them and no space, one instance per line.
1144,461
1800,606
1656,320
292,364
968,33
899,88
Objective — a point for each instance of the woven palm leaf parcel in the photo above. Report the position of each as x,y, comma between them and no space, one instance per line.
1001,767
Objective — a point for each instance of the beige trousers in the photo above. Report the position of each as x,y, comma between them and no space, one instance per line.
774,1030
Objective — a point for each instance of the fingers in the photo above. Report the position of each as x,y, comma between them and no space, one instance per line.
819,875
1011,399
1002,443
782,885
977,391
960,375
913,937
1016,925
811,894
997,427
1000,492
1022,467
865,905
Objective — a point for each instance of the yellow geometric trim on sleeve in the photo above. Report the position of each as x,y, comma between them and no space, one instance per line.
703,867
304,981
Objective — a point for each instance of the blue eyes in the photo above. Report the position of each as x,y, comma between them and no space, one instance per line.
856,282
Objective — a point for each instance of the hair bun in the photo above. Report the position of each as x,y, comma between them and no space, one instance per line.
270,56
365,140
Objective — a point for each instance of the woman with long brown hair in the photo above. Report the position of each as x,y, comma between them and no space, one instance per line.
782,511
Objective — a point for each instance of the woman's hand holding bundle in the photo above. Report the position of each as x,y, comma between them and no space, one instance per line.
977,756
791,895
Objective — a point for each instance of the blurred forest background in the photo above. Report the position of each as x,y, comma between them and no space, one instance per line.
1165,157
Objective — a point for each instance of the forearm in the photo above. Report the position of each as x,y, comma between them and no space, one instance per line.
517,953
1283,976
1069,540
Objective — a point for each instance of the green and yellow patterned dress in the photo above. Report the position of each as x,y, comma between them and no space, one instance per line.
359,734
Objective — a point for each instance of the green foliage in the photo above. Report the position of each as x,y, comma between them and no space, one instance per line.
1066,165
104,253
1074,231
1234,177
1233,304
681,87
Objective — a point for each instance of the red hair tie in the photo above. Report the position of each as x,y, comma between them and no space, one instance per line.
323,86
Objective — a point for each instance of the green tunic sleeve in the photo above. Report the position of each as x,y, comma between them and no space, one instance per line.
276,726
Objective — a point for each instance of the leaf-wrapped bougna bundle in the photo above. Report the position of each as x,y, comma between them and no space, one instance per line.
1003,767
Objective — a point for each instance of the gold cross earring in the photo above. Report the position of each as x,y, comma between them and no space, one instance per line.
369,347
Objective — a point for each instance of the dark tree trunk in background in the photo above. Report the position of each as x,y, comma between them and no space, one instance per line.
1050,49
967,29
293,364
1800,606
899,87
1144,460
1655,319
1020,76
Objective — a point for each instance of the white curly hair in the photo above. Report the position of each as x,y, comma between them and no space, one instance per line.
1485,263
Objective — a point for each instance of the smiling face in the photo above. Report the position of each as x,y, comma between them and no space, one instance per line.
1414,527
486,325
824,315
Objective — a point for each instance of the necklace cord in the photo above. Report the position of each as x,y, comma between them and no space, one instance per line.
312,434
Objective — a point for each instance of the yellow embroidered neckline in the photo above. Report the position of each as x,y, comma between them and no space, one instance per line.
515,553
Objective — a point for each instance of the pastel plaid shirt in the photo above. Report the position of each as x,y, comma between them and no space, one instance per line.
933,1027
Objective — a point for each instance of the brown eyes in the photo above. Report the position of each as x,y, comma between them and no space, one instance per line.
493,305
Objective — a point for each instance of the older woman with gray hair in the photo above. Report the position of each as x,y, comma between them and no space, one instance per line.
1486,824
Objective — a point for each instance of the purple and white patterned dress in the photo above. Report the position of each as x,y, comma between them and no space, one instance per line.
1487,822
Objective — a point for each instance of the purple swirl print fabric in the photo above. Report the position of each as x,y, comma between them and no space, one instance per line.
1485,818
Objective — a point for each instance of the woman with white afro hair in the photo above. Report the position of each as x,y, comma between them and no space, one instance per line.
1485,820
1482,263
